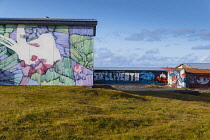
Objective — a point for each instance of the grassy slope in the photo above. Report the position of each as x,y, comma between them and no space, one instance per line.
66,112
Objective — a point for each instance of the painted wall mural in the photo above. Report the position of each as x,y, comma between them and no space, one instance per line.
46,55
177,78
112,76
198,81
180,78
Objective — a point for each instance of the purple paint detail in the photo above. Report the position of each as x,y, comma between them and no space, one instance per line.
3,83
13,35
7,73
62,43
17,72
35,32
85,77
3,57
32,82
29,35
61,50
61,38
43,29
29,31
84,31
18,67
40,30
1,75
67,51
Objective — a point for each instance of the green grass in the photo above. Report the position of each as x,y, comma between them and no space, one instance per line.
153,86
101,113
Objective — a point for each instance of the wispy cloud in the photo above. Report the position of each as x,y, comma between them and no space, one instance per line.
160,34
153,51
106,58
202,35
205,59
183,32
147,35
138,49
202,47
155,60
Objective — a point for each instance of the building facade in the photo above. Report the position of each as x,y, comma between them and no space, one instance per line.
129,75
46,51
189,78
194,65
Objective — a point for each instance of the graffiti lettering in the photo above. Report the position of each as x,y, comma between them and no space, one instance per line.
123,76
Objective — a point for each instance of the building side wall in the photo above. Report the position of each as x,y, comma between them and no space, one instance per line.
113,76
177,78
46,55
198,80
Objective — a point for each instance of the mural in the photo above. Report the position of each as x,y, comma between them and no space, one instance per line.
198,81
46,55
113,76
176,78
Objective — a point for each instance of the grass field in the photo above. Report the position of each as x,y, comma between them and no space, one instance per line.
79,113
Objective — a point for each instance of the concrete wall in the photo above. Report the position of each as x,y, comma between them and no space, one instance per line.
46,55
113,76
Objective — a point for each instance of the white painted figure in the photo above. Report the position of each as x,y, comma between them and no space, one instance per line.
37,55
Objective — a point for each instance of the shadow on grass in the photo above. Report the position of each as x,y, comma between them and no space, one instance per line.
173,95
184,95
103,86
124,94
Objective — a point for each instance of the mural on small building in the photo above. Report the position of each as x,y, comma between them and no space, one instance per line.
113,76
198,81
46,55
176,78
189,77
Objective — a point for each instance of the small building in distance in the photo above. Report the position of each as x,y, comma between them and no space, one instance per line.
189,75
194,65
104,75
46,51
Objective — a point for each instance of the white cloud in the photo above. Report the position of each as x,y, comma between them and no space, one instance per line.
161,61
106,58
205,59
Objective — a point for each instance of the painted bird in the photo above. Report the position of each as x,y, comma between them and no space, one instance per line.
37,55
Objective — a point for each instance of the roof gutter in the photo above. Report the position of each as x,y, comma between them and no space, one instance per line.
51,21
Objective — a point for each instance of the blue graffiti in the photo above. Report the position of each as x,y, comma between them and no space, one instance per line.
177,75
174,73
146,77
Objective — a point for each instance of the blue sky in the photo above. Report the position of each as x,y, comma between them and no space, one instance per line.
133,33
